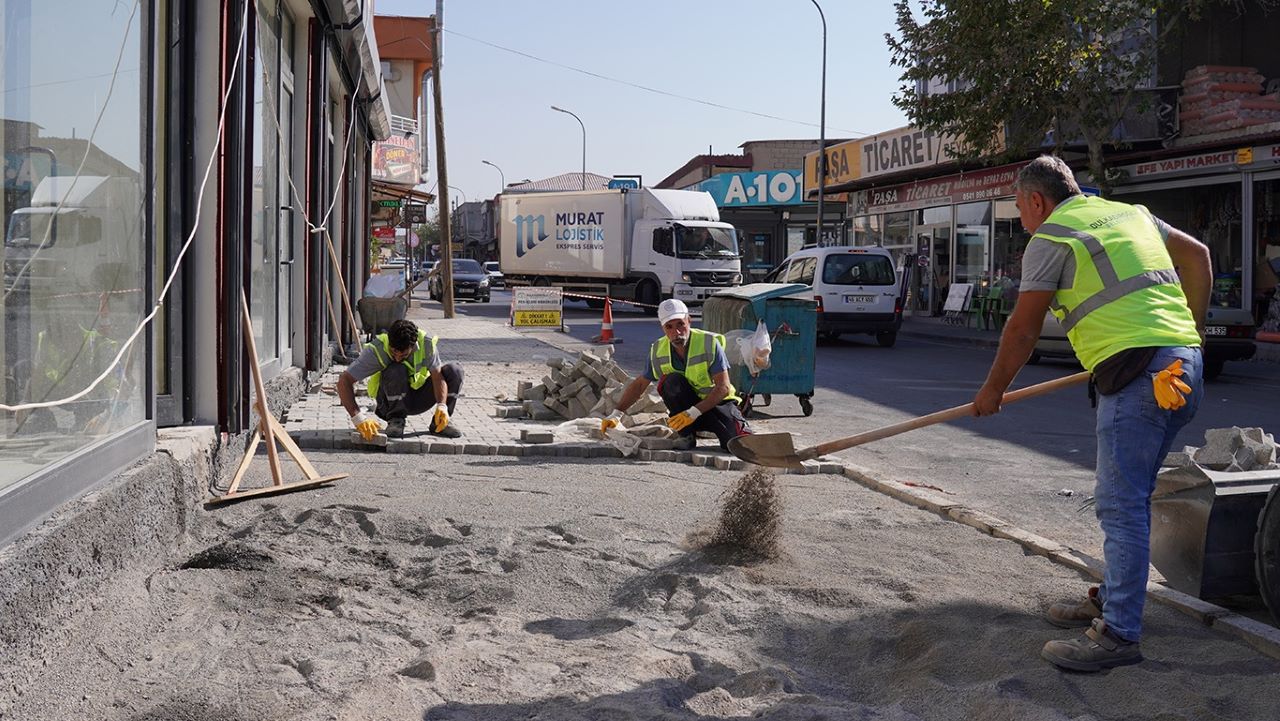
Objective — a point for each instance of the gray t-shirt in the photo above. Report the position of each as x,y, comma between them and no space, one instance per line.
1047,265
367,364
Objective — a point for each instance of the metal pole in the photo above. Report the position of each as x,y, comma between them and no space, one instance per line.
442,174
500,174
822,126
584,143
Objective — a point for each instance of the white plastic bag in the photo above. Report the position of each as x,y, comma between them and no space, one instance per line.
589,429
759,349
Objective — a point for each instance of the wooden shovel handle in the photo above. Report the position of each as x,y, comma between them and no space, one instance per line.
939,417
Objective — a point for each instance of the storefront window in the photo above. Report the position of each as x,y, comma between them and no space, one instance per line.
1008,243
973,234
867,230
1210,213
755,253
933,243
897,237
1266,256
74,221
264,260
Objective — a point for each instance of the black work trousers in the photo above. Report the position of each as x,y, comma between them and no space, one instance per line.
725,420
396,400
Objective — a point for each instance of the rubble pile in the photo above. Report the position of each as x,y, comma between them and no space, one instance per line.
586,386
1217,98
1230,449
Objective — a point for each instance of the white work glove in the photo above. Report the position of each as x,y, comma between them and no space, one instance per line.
680,421
440,419
368,425
613,420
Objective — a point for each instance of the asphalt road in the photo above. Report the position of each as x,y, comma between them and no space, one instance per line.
1031,464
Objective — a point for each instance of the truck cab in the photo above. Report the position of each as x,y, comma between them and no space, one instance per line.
692,254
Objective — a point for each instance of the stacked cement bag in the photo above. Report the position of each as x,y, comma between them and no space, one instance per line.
588,385
1218,98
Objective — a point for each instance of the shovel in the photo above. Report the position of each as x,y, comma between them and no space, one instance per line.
779,450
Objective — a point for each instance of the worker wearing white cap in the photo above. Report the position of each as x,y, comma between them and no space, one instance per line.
692,373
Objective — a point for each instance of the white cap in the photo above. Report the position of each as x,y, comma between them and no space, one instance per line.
672,308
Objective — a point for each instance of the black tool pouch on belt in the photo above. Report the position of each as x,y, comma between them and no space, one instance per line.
1119,370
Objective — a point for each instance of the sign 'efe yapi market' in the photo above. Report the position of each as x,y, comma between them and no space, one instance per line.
947,190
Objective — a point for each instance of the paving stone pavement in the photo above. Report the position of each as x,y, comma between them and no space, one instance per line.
494,359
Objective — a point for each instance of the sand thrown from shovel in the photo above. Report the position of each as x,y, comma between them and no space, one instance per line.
751,515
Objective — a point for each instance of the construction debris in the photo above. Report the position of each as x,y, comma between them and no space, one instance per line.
1229,449
586,386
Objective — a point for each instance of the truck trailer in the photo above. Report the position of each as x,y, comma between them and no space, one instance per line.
640,245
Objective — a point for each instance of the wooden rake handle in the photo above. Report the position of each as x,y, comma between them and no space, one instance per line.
949,414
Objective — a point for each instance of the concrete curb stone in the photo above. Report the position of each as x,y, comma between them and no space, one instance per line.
1264,638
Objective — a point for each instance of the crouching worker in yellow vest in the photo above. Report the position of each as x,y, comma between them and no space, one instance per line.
405,378
692,373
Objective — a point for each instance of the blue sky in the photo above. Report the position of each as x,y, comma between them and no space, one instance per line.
757,55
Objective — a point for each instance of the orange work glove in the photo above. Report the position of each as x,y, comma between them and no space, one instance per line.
1170,391
680,421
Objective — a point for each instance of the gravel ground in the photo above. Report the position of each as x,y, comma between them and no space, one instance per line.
455,587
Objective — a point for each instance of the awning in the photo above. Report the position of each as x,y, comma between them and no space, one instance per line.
401,191
365,46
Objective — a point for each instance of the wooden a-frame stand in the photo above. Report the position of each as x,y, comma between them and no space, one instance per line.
270,429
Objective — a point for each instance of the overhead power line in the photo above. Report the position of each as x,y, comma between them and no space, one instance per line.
646,88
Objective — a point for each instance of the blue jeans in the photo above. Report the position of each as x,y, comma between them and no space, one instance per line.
1134,434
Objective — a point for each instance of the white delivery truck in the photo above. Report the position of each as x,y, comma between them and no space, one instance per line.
643,245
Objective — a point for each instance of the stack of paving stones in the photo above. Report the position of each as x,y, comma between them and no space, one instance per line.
1230,449
586,386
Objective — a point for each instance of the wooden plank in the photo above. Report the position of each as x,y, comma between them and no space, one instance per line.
244,462
294,451
264,413
271,490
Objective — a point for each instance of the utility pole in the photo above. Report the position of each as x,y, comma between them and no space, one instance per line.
442,174
822,128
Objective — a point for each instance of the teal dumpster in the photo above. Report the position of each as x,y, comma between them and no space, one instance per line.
789,311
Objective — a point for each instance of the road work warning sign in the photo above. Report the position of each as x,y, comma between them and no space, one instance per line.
537,307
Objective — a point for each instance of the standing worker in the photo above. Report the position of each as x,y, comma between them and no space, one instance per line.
399,363
692,373
1132,293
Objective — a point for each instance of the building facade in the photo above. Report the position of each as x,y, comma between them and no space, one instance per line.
163,160
1201,153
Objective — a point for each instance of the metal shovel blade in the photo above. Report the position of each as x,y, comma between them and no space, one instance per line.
767,449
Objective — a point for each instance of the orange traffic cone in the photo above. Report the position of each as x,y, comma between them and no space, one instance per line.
606,325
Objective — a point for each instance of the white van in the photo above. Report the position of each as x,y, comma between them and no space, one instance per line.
856,288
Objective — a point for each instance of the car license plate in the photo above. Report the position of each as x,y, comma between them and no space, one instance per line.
1215,330
859,298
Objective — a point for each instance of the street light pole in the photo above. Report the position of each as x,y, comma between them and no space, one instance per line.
584,143
500,174
822,126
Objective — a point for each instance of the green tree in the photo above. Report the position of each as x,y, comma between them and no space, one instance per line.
1027,70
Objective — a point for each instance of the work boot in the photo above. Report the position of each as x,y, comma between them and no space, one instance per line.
1099,649
450,431
684,443
1076,615
395,428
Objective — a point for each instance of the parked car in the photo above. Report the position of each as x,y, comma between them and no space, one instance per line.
469,281
496,278
856,289
1228,336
